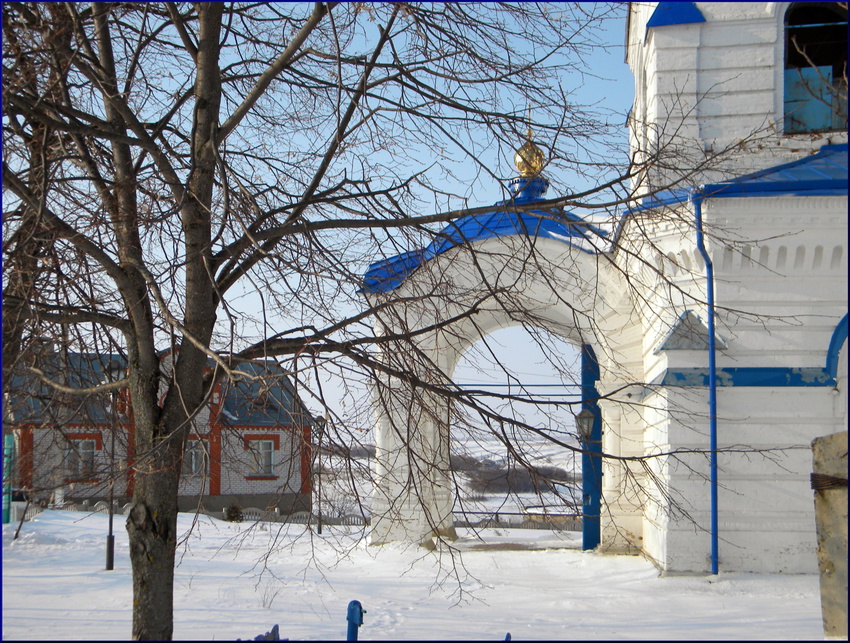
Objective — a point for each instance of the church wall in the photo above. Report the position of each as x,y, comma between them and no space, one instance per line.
765,519
718,85
790,309
765,504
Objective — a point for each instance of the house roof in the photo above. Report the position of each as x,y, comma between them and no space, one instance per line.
265,398
556,223
31,400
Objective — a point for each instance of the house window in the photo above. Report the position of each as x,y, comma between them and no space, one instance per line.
195,460
79,458
815,67
262,457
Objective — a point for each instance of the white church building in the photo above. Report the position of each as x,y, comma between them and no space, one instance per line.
716,312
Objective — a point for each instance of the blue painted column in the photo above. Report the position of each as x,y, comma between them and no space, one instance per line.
8,458
591,459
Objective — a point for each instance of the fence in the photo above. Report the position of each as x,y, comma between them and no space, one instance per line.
517,520
469,519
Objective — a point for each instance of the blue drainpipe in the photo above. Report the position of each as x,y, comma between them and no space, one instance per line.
696,200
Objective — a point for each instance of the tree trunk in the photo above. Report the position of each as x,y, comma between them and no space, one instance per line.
152,527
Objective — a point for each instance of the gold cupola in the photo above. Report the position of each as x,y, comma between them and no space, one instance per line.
529,159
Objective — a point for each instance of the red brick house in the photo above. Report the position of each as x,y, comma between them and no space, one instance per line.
250,446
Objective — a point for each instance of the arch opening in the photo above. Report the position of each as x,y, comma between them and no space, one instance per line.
535,377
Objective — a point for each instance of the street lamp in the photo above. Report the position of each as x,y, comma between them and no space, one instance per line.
115,373
591,479
321,423
584,424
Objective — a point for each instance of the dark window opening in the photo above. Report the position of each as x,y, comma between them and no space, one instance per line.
815,67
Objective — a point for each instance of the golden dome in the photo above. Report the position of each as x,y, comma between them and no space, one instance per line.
529,159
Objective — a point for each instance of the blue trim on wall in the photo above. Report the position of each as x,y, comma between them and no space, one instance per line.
839,336
766,375
750,376
675,13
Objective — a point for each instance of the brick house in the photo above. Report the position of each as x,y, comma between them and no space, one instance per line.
249,446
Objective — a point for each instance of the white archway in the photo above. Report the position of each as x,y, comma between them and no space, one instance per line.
459,296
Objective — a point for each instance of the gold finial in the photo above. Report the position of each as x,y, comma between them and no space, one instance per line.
529,159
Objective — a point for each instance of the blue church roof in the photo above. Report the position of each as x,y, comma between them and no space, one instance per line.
821,174
388,274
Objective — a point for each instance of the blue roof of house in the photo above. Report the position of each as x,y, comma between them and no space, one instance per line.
555,223
264,399
31,400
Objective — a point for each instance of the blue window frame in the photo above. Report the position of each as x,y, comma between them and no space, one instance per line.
815,67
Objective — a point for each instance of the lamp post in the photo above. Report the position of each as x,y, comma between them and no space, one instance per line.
320,426
110,538
114,374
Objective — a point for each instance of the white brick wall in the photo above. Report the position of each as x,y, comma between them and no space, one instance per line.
731,69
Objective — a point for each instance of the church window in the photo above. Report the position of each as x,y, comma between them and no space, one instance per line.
815,67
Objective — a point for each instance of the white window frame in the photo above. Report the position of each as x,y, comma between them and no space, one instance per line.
195,459
80,458
262,457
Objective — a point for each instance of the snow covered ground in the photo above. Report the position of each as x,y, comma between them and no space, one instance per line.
232,582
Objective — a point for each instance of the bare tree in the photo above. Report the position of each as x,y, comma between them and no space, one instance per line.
214,179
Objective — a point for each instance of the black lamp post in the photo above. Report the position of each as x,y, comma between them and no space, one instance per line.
320,426
110,538
114,374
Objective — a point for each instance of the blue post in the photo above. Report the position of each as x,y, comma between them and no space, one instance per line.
591,459
355,619
8,455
